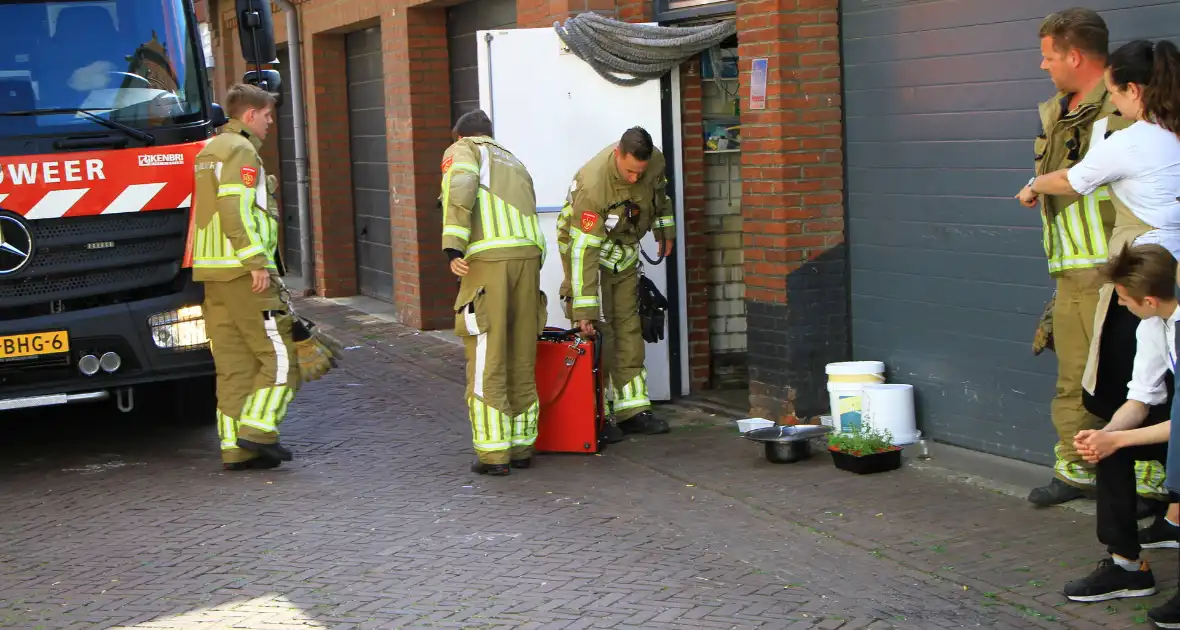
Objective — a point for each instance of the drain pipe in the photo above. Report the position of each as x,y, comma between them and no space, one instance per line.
302,180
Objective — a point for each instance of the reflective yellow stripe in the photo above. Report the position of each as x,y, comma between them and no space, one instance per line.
227,430
618,257
664,222
524,426
582,242
499,243
633,394
455,230
485,218
458,232
264,409
1094,222
1076,238
213,250
503,225
490,428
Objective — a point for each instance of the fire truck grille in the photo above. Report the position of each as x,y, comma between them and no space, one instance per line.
88,261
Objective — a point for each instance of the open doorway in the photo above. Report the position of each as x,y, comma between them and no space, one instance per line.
720,103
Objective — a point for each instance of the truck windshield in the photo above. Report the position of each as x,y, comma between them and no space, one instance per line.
132,61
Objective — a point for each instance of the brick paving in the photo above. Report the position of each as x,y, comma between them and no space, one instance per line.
126,521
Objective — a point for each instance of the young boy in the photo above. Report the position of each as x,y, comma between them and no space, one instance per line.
1145,281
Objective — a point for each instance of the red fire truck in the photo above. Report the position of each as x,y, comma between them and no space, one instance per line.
103,106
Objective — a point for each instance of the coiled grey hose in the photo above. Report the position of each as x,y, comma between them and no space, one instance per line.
641,50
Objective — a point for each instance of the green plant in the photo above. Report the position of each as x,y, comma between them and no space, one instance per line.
861,440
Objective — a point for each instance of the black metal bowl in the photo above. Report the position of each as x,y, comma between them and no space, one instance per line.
787,444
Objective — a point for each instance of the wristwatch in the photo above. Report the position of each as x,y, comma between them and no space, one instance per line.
1030,182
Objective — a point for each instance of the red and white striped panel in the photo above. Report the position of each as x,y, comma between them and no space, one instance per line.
98,182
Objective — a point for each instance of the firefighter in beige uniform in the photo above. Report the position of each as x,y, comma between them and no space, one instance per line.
492,236
248,325
1076,230
613,201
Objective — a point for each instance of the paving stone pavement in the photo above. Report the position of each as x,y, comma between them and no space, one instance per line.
127,521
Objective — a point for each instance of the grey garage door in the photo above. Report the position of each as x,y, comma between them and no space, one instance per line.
288,194
463,20
948,274
370,170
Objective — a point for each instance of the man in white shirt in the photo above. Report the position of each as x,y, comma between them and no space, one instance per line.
1144,277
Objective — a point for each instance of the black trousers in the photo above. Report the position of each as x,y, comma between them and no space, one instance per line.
1117,527
1116,362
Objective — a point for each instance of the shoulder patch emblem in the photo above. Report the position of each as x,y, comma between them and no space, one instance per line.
589,220
249,175
446,165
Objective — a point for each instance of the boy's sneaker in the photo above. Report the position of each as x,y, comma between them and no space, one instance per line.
1160,535
1110,581
1166,615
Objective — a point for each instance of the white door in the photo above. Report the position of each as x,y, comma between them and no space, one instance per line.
554,112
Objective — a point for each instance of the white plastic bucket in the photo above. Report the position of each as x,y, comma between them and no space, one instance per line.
845,382
891,407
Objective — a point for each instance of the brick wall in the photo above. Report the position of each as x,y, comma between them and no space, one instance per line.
415,58
792,204
330,169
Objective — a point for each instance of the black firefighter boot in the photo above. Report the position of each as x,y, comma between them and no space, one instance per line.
1145,508
1056,492
644,423
611,433
273,451
262,462
496,470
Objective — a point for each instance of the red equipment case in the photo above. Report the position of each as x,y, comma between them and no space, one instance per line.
569,386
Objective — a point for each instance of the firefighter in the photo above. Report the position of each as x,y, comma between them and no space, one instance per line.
1076,232
614,200
493,239
248,324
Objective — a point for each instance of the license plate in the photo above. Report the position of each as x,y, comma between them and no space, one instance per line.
34,345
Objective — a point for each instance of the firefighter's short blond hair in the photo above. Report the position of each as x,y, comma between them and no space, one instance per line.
243,97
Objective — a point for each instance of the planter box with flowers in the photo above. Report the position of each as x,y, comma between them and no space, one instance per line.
864,450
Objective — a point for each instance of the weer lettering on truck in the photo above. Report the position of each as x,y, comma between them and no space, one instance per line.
26,173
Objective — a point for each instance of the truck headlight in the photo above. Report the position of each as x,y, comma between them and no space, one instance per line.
182,329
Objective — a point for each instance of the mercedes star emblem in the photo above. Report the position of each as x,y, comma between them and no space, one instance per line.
16,245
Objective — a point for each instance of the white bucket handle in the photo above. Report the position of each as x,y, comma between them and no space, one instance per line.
866,410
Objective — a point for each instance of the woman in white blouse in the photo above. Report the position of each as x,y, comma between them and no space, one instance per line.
1136,155
1141,162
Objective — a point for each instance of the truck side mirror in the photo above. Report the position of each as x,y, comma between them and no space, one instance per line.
217,116
269,80
256,31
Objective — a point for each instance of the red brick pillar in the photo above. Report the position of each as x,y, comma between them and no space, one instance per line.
330,166
696,227
418,110
792,204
